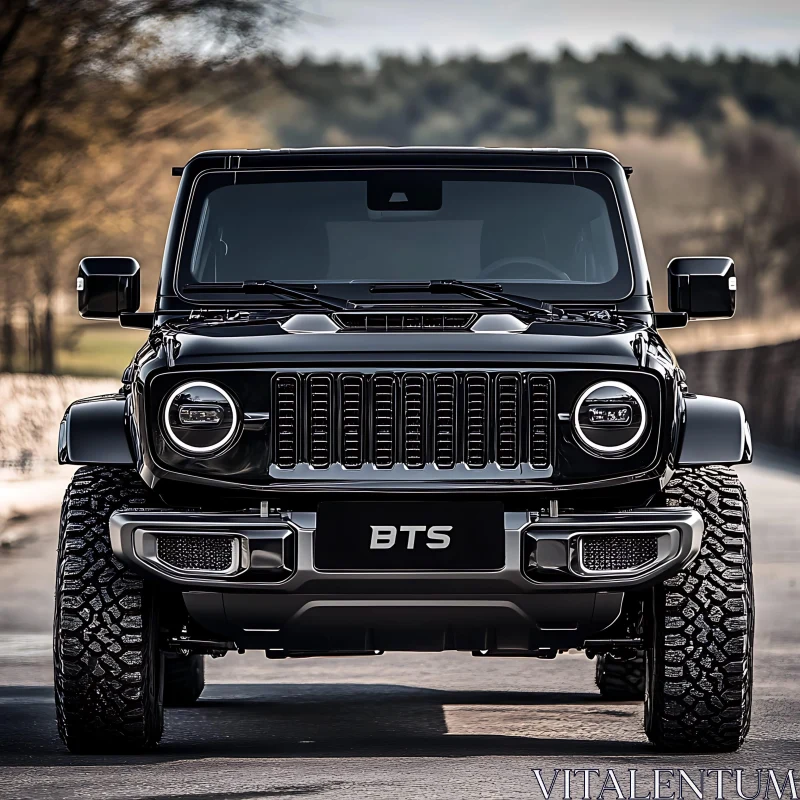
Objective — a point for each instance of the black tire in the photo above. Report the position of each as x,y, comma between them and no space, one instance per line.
184,680
700,654
621,677
108,675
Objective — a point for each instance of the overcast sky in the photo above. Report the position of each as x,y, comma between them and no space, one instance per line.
361,27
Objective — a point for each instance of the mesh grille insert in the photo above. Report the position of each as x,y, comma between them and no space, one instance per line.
187,551
613,553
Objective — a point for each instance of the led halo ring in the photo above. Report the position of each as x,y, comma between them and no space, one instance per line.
618,448
187,448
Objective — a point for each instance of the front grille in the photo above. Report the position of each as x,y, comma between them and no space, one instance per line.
413,419
376,322
615,553
193,552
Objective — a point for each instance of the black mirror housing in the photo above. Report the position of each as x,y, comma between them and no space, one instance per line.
702,287
108,286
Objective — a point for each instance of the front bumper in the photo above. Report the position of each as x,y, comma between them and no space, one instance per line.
541,553
542,596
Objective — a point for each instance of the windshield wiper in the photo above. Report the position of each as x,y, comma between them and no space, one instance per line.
270,287
537,307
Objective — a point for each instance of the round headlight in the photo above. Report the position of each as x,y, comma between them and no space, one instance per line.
200,418
609,418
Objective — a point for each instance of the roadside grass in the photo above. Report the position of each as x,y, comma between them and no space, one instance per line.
96,349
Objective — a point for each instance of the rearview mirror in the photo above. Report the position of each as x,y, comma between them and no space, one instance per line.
703,288
108,286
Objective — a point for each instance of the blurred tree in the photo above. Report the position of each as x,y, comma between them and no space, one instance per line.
758,195
71,67
76,74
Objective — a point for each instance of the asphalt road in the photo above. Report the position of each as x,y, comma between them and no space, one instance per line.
400,725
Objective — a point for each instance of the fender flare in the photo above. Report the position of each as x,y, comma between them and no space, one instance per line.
715,431
95,431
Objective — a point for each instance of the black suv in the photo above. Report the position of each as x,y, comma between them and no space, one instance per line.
404,399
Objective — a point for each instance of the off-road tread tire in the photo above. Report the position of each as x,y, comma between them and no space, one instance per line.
184,680
619,677
105,648
700,660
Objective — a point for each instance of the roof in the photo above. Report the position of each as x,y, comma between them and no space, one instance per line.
375,149
508,157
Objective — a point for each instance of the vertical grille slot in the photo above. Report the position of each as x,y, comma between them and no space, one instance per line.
507,420
287,396
414,421
444,432
320,421
541,393
353,429
476,414
383,420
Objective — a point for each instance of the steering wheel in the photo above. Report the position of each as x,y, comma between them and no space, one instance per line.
495,269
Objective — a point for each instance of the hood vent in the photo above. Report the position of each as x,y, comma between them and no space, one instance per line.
376,322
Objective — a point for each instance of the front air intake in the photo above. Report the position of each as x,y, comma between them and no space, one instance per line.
196,553
623,553
378,322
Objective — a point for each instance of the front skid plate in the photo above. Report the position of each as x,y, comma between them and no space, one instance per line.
369,622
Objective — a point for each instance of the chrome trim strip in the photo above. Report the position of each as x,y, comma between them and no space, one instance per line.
400,473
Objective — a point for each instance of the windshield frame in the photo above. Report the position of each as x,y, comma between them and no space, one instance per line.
358,290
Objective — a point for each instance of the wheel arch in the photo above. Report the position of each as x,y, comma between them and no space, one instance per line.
715,431
96,430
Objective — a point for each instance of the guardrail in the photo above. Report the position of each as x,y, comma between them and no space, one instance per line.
765,380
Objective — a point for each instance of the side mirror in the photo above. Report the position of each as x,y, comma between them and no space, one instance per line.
703,288
108,286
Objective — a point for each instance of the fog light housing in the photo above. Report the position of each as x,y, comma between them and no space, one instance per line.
609,419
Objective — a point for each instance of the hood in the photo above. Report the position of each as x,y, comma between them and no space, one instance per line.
541,343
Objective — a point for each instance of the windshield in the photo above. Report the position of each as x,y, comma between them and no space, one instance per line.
553,235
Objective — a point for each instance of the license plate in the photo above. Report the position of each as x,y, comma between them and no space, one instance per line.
409,536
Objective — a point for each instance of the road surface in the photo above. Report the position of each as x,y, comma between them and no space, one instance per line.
395,726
